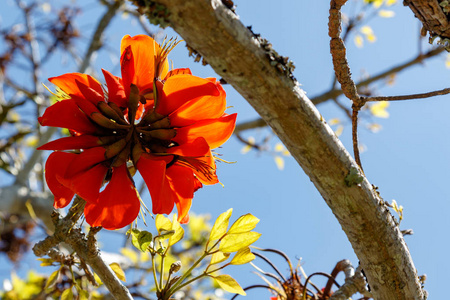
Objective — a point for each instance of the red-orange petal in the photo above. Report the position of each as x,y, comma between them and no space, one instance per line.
85,105
182,184
87,184
116,91
118,205
127,68
198,147
89,93
85,161
56,166
198,157
179,89
178,71
153,169
206,107
214,131
66,114
67,83
144,49
72,142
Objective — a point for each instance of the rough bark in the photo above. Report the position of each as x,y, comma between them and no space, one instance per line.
430,13
238,56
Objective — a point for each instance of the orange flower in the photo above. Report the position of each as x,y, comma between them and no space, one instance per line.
160,123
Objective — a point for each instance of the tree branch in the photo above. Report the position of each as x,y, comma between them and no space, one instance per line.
237,55
334,93
86,248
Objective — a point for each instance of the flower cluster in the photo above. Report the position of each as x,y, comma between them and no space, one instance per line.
160,123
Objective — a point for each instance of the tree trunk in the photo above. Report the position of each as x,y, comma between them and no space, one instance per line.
253,69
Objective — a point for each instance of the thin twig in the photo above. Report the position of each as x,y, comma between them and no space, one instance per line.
407,97
335,93
342,70
259,286
355,136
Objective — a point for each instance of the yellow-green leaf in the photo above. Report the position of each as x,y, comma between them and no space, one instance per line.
279,161
141,239
219,257
243,256
118,271
379,109
235,242
386,13
220,226
339,130
67,294
245,223
132,255
179,231
162,223
359,41
45,262
165,234
97,279
83,295
52,279
334,121
367,30
227,283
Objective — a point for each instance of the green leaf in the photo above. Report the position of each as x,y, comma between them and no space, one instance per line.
237,241
67,294
219,257
141,239
179,231
162,223
118,271
245,223
353,177
220,226
243,256
227,283
165,234
52,279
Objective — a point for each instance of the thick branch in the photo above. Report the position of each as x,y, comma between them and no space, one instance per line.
237,56
430,13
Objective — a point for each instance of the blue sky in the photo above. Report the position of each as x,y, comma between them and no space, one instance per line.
407,160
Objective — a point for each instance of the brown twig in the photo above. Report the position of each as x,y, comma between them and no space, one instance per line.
407,97
335,93
355,112
342,70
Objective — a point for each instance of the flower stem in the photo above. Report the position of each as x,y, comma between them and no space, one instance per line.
175,287
154,273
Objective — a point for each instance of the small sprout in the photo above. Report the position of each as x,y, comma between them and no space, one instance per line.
175,267
353,177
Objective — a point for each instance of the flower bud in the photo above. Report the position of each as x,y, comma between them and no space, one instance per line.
175,267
